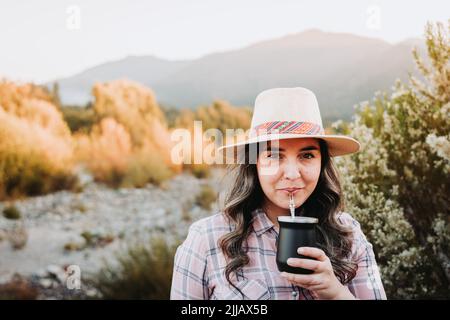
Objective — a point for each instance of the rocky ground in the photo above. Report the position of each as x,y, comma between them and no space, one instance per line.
86,229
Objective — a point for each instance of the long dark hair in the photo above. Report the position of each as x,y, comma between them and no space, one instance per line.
246,195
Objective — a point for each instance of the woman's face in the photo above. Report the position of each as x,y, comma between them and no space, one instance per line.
288,163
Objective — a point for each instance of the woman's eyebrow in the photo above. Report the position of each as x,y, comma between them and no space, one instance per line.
309,148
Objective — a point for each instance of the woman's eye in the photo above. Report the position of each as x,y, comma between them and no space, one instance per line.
308,155
273,155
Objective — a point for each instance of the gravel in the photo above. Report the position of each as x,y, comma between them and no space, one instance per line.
81,229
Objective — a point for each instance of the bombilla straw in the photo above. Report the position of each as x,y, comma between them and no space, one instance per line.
292,205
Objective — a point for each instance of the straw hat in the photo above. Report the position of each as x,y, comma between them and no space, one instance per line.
287,113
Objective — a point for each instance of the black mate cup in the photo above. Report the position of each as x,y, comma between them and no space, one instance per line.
295,232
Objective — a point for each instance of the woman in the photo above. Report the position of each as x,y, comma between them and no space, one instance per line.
232,254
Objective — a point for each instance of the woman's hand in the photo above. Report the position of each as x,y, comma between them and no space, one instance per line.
323,283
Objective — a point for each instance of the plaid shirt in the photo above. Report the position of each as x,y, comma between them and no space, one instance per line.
199,264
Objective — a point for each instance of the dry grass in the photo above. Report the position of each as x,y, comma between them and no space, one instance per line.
36,149
206,197
130,146
18,288
143,272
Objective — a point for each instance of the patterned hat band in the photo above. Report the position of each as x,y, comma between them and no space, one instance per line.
294,127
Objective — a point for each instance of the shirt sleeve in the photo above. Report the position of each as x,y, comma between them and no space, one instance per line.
366,285
190,278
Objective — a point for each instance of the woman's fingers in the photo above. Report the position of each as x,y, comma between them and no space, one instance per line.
313,253
319,266
309,264
301,280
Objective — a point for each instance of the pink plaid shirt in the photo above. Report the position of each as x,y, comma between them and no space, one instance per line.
199,268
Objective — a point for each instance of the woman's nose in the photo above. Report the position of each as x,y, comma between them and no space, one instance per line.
292,171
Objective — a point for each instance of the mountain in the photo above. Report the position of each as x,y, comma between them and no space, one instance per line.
146,70
342,69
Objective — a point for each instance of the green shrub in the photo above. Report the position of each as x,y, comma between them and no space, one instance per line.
29,174
97,239
206,197
141,272
72,246
79,206
220,115
146,168
78,118
171,115
397,187
11,212
200,171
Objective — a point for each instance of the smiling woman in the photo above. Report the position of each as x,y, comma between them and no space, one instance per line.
295,159
232,254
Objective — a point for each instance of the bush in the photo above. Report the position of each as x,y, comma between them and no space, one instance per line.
220,115
106,151
131,145
109,154
171,114
78,118
200,171
11,212
132,105
146,167
18,288
36,149
24,172
142,272
18,236
206,197
398,186
97,239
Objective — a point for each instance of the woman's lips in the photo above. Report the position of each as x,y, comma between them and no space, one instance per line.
290,190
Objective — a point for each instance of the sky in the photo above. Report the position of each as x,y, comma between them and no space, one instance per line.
47,39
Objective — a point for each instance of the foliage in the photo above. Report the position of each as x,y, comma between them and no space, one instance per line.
141,272
206,197
12,213
36,149
397,187
130,145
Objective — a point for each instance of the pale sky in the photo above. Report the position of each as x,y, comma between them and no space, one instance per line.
47,39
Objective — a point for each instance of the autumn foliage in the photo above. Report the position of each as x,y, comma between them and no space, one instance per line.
36,147
130,145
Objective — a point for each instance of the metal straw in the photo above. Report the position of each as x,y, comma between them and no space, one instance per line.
292,205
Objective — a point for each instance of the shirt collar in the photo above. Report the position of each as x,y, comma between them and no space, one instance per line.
261,222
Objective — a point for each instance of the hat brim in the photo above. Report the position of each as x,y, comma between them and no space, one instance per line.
337,145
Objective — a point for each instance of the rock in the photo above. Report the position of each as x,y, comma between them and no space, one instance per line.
159,213
18,237
112,217
56,272
53,269
92,293
46,283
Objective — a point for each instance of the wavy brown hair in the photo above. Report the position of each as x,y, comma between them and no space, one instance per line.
246,195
